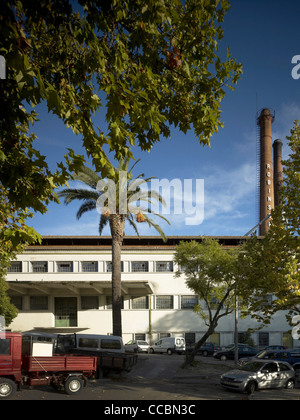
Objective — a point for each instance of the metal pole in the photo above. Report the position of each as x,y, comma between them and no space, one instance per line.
236,332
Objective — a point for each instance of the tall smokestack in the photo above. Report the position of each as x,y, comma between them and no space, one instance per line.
265,121
278,177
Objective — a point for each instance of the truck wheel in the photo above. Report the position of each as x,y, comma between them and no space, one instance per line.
73,385
7,388
169,351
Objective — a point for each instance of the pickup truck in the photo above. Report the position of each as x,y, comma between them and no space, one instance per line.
69,372
109,351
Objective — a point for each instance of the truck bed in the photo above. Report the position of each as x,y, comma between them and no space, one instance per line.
69,363
116,361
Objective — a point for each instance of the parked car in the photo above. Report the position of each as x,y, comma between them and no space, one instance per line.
295,350
137,346
284,356
243,351
169,345
259,374
208,349
275,348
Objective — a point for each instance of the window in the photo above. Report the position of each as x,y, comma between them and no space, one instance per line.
271,367
164,266
283,367
39,267
4,346
108,343
140,337
89,302
109,302
38,303
65,311
164,302
263,339
64,267
139,266
89,267
91,343
190,338
17,301
15,267
140,302
109,266
188,302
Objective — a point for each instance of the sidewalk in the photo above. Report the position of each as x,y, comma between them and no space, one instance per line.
205,370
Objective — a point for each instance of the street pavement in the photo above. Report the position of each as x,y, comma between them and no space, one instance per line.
161,378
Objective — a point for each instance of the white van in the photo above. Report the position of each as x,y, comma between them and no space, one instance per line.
169,345
91,342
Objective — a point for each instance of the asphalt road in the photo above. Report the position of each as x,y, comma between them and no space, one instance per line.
157,378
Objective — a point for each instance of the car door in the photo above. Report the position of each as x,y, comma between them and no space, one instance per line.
284,374
158,346
6,362
271,375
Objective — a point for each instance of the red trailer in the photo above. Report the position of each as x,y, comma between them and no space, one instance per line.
68,372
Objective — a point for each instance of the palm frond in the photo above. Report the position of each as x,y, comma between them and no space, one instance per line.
103,222
87,176
156,227
71,194
85,207
132,223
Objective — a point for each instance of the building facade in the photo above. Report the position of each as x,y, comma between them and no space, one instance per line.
64,285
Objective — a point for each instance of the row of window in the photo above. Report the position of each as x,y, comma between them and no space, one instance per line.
92,302
90,266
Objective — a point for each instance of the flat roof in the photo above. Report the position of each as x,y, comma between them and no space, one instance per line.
129,241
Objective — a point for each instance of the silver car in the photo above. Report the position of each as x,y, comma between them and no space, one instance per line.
259,374
137,346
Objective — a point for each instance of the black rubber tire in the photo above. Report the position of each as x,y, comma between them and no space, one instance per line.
73,385
251,388
7,388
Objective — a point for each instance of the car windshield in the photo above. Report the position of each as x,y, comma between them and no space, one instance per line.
143,343
262,354
252,366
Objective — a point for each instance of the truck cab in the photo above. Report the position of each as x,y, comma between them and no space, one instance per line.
11,355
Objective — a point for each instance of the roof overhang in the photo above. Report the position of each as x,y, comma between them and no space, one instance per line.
79,288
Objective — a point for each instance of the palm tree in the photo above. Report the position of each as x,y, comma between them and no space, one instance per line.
115,212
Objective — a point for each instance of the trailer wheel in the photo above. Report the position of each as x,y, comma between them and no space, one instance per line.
73,385
7,388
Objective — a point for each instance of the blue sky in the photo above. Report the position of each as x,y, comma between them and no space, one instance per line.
264,36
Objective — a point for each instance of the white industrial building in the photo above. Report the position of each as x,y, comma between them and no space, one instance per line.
64,285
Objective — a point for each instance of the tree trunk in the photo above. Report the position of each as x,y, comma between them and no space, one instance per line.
117,224
191,356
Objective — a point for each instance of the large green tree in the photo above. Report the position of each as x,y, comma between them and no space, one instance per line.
211,272
146,65
119,198
152,64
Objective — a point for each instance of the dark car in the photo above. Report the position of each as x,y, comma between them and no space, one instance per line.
284,356
275,348
208,349
243,351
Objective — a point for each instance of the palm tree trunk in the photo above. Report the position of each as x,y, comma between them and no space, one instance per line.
117,225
